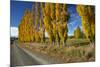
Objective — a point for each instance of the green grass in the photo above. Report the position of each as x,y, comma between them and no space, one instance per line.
77,42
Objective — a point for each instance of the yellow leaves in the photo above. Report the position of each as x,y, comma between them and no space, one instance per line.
81,9
53,20
47,9
25,27
88,20
37,36
77,33
52,10
58,10
93,28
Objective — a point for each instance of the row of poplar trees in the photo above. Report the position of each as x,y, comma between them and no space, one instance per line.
52,18
45,17
87,14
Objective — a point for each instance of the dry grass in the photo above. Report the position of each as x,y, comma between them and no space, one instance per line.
81,53
66,54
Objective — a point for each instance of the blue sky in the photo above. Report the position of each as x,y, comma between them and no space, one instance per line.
17,11
74,20
18,8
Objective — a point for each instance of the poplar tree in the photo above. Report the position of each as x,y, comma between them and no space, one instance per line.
87,15
77,33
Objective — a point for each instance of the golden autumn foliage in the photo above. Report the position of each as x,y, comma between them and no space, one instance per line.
25,28
77,33
62,23
58,10
87,15
45,17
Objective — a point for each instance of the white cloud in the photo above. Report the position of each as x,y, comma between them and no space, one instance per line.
14,32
